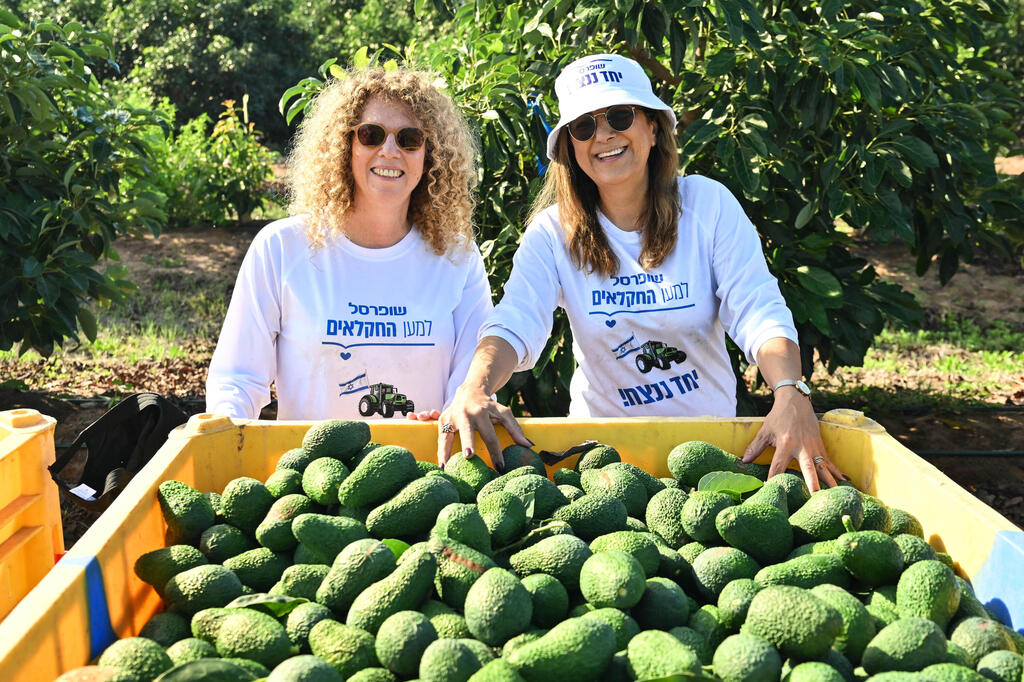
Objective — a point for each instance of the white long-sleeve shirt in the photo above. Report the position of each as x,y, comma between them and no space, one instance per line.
324,325
714,281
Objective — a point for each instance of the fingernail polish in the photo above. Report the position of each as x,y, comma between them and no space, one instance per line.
468,453
532,444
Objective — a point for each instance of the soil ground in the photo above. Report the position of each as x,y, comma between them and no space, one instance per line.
80,389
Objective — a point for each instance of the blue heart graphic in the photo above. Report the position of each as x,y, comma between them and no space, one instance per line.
610,323
345,356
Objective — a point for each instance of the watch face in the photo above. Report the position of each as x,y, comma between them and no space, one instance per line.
803,387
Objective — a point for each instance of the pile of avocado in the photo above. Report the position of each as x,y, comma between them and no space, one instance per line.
354,561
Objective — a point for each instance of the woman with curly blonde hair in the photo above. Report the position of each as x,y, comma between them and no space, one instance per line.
367,299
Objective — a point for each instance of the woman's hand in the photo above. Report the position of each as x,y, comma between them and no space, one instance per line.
793,429
473,412
425,416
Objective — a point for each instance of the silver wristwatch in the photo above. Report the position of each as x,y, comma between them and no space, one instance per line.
797,383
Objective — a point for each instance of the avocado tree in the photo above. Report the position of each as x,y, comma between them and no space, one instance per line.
827,120
65,153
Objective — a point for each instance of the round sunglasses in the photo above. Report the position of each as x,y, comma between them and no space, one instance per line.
374,135
620,118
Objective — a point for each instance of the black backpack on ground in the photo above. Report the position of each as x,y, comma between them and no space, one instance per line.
119,444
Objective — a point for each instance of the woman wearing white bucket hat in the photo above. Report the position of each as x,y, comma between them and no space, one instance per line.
652,270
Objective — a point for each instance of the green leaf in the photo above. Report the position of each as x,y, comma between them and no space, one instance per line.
721,63
729,483
805,214
819,282
9,19
916,151
529,503
206,670
397,547
276,605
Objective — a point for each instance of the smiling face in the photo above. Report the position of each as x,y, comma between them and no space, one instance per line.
617,160
388,172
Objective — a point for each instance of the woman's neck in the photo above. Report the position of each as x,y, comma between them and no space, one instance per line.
379,227
624,205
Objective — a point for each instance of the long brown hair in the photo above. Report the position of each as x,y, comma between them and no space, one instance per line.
577,197
321,184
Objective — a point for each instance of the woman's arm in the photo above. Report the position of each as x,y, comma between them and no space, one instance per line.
791,426
473,411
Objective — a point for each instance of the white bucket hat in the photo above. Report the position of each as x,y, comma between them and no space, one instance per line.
598,81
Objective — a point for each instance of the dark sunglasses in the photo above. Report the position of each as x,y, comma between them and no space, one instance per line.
374,135
620,118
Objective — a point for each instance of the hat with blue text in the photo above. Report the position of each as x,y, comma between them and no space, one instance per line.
598,81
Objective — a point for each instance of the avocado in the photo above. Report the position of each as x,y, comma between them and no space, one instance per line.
654,653
620,484
359,565
771,493
348,649
641,547
546,495
700,512
463,523
707,622
560,556
689,462
821,517
201,588
448,660
950,672
746,658
913,548
295,459
275,531
258,568
760,530
338,438
246,633
401,641
306,668
498,607
623,625
190,649
223,541
734,600
473,471
244,503
284,482
458,567
858,625
928,589
301,580
567,477
876,515
909,644
516,456
1002,666
597,457
505,516
498,670
662,606
980,637
716,567
593,515
575,650
408,585
301,620
501,481
138,656
160,565
695,640
805,571
663,516
794,620
321,536
411,512
549,598
814,671
381,474
871,556
186,510
904,522
797,493
612,578
165,629
322,478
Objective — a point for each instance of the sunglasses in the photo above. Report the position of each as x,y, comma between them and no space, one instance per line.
374,135
620,118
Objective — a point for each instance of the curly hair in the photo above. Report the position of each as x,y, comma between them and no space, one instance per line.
321,184
577,197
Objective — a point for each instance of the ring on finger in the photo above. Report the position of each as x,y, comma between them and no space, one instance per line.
448,428
818,459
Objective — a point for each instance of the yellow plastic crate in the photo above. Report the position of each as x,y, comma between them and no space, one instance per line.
92,595
31,537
